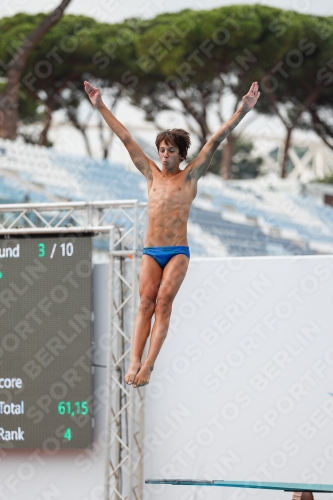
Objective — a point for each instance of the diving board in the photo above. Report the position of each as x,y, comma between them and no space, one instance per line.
294,487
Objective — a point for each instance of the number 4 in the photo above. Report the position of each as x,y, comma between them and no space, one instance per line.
68,434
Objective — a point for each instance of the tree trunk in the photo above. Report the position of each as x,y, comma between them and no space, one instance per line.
285,153
86,141
300,108
8,111
42,141
81,128
227,156
9,97
200,117
322,129
105,143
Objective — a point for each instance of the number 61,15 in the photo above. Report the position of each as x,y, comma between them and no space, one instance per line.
72,409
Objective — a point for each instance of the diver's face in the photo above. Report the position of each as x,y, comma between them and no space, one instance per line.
169,156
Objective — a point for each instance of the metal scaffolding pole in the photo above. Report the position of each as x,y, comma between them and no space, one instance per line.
108,371
125,221
125,481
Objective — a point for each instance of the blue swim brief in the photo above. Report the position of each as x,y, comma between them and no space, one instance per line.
162,255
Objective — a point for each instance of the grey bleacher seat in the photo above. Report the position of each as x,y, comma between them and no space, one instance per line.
260,225
241,239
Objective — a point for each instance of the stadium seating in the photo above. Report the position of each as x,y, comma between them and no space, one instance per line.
227,218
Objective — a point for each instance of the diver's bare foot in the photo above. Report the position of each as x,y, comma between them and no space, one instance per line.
143,375
133,369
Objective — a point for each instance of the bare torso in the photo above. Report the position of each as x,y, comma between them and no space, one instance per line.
170,193
169,201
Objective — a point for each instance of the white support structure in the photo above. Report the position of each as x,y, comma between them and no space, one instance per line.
125,221
315,163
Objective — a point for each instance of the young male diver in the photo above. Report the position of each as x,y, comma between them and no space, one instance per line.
166,255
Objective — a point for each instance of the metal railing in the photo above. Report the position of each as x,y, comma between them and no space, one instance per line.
125,222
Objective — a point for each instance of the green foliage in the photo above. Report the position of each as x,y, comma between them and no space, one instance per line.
213,42
326,180
203,53
27,107
13,31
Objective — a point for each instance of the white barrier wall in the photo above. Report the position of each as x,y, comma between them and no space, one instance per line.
243,387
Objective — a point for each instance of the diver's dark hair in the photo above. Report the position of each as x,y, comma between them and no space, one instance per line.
176,137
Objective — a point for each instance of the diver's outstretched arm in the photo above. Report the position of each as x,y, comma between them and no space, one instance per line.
140,160
200,165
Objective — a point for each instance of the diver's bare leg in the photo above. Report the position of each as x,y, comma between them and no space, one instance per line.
149,283
172,278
